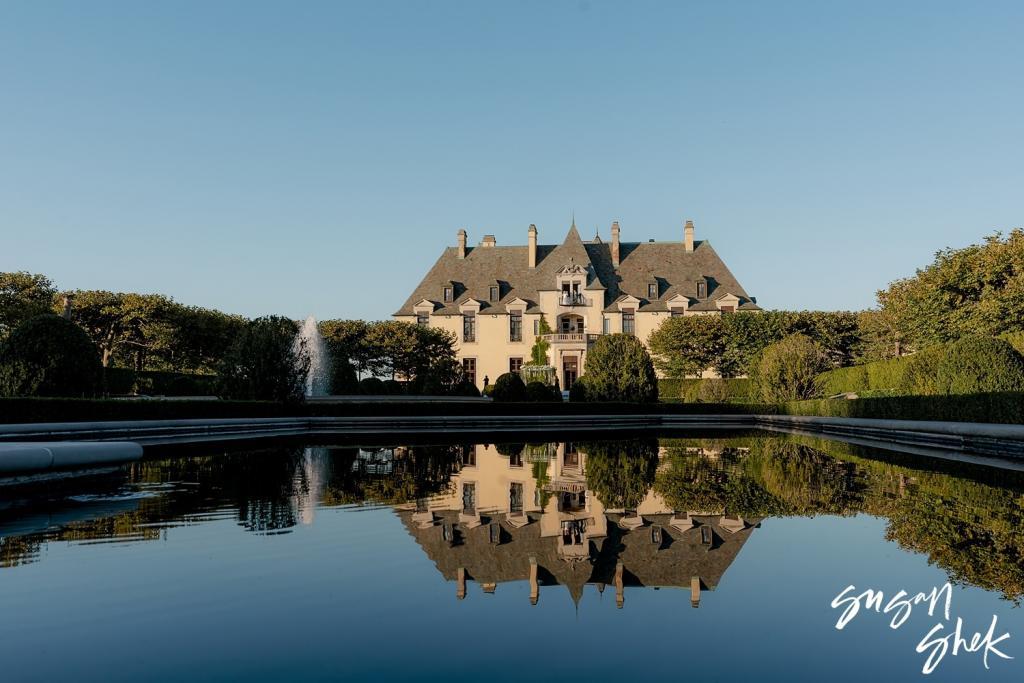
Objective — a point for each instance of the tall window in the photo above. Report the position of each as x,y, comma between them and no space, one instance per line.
606,325
628,322
515,364
536,327
515,327
652,290
494,293
469,369
469,327
448,294
422,319
702,290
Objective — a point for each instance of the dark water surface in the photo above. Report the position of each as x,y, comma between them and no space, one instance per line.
667,559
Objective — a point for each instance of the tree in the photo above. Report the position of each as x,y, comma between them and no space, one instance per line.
262,363
788,370
22,296
48,356
127,325
618,368
977,290
539,350
686,346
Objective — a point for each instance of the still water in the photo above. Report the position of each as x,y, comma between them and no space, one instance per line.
675,558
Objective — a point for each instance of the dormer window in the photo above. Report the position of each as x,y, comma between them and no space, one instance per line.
449,294
495,293
702,290
652,290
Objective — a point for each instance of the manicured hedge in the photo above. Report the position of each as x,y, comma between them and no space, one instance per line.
15,410
1005,407
737,389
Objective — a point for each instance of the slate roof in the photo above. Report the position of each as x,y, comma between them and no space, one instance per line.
668,264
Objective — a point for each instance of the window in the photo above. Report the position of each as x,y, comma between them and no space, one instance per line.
702,290
606,325
448,294
422,319
515,364
515,496
628,322
469,369
468,455
678,312
536,327
515,327
727,309
652,290
494,293
516,459
469,327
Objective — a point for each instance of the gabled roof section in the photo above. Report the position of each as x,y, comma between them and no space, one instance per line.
675,269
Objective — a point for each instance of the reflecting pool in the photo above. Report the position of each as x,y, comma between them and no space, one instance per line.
675,558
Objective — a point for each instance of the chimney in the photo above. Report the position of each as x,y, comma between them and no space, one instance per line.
531,239
462,244
489,241
615,244
688,235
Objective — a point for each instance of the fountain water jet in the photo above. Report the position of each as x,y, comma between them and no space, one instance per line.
310,343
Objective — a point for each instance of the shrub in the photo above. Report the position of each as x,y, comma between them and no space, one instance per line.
618,368
392,387
263,364
1015,339
509,388
49,356
343,377
974,365
538,392
509,450
920,372
711,391
788,370
466,388
578,391
372,386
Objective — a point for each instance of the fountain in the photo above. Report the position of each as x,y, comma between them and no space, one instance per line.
310,343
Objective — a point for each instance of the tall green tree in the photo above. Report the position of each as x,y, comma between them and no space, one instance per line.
263,364
618,368
22,296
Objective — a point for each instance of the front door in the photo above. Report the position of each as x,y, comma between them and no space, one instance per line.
569,372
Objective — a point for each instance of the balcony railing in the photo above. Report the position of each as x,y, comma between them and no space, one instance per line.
570,337
571,299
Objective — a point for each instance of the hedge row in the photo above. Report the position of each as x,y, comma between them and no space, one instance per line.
690,390
1003,407
15,410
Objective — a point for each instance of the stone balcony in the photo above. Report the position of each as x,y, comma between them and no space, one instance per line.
570,338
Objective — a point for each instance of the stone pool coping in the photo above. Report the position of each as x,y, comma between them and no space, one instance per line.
999,440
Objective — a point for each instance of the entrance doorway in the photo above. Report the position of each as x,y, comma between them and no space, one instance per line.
570,371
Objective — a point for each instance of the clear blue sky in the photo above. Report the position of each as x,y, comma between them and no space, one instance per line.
310,157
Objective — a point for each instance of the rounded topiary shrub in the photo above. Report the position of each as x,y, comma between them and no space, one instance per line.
509,387
372,386
392,387
538,392
466,388
49,356
976,365
788,369
618,368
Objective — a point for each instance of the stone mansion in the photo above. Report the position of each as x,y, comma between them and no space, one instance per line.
493,298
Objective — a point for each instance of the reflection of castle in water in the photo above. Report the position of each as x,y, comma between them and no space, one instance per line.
529,515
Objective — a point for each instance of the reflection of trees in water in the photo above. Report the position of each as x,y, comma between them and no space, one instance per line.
267,491
968,520
621,473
